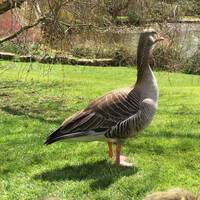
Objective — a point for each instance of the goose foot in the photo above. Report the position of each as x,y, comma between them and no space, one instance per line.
120,160
125,164
123,158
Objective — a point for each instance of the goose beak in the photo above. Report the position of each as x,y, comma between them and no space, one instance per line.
159,38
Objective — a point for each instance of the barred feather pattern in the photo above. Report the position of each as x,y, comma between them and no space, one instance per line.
135,123
105,112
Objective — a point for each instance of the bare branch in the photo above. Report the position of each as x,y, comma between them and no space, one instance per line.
24,28
37,9
9,4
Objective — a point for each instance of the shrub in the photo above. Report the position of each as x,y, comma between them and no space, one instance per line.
122,57
192,64
197,7
134,18
167,57
22,48
83,52
12,48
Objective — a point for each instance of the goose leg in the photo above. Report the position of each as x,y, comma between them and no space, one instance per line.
110,150
118,151
121,160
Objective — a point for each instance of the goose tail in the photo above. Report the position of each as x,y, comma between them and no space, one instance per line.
88,135
53,137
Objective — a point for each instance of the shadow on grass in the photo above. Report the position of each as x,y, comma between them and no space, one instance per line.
14,111
173,135
153,143
102,173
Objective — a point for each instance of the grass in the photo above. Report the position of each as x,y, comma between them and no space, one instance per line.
34,100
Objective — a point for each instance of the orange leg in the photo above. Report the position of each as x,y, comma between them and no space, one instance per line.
110,151
118,151
121,160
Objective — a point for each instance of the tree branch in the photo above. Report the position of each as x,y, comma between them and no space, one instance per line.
24,28
9,4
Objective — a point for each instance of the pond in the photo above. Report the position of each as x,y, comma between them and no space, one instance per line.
187,36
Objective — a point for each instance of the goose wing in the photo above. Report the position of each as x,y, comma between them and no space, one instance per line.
101,114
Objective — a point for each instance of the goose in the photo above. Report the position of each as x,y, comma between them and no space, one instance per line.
172,194
119,114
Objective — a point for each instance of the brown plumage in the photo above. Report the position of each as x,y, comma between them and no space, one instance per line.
119,114
103,113
172,194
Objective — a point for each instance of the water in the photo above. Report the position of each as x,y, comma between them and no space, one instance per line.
187,37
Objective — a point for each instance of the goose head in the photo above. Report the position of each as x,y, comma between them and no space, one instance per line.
149,37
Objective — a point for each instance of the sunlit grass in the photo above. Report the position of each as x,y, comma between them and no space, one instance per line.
35,99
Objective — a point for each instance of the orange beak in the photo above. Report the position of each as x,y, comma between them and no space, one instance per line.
159,38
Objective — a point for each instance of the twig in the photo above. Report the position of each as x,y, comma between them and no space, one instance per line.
24,28
9,4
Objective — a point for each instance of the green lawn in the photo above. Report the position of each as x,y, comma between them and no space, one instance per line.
35,99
